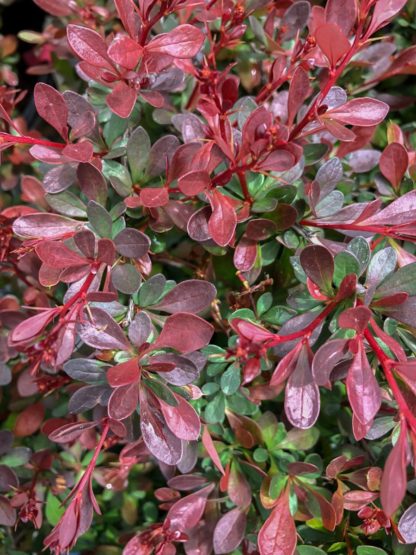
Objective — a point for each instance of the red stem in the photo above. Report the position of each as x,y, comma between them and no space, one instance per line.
333,77
22,139
387,363
305,332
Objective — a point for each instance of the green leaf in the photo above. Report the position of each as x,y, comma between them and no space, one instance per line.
403,280
360,249
99,219
53,510
138,148
230,380
345,263
151,290
264,303
314,152
369,550
67,203
215,410
309,550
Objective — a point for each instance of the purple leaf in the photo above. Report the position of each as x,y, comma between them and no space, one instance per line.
229,531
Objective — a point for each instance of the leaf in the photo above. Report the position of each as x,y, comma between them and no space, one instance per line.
7,512
89,46
362,387
326,358
152,197
183,42
125,373
56,254
182,420
85,370
333,42
384,10
160,441
45,226
223,220
103,332
123,401
393,163
70,432
407,524
302,400
132,243
126,278
399,212
193,295
194,182
122,99
187,512
277,536
360,111
401,281
299,91
51,107
318,264
176,333
125,51
92,183
370,550
29,420
382,263
356,318
100,219
229,532
394,479
343,13
128,16
138,149
210,448
33,326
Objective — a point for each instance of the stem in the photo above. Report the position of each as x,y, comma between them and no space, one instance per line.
387,363
334,76
23,139
305,332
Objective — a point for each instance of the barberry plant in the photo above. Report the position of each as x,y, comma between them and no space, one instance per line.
207,255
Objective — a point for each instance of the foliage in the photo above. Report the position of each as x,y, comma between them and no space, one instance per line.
207,245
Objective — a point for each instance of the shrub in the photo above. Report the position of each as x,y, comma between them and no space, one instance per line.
207,253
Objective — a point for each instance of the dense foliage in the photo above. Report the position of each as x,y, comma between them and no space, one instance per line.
208,266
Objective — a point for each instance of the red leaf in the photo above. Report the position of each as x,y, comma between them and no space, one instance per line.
333,43
125,51
80,152
302,401
355,318
128,16
51,107
343,13
152,197
229,531
60,8
278,534
123,401
89,46
183,42
223,221
393,163
103,332
363,112
210,448
157,436
362,387
192,295
182,420
125,373
194,182
29,420
122,99
245,255
58,255
187,512
384,10
45,226
185,333
251,331
318,264
33,326
298,92
394,480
